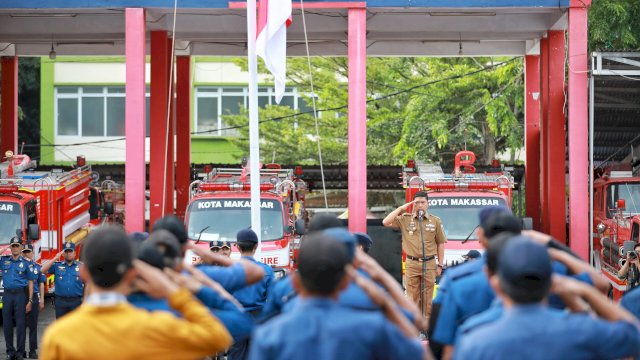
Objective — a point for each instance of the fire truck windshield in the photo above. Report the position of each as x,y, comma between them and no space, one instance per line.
10,221
459,215
630,192
221,219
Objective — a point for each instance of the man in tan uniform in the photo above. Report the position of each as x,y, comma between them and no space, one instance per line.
422,239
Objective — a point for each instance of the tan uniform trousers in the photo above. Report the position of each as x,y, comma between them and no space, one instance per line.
413,279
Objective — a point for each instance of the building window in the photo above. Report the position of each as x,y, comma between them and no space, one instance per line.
211,103
91,111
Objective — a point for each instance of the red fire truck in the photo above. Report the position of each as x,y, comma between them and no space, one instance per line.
616,221
46,208
457,198
220,206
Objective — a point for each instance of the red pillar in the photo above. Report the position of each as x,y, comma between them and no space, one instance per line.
135,119
579,232
158,117
556,146
183,133
9,104
357,133
544,130
532,137
171,128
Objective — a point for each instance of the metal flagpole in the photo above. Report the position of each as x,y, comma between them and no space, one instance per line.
254,135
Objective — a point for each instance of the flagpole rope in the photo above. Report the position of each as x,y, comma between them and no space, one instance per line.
313,101
169,101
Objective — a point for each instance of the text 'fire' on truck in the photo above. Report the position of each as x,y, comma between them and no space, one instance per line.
220,206
457,198
45,208
616,223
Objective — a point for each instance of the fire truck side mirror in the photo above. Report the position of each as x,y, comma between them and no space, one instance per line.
621,204
33,232
527,223
299,227
108,208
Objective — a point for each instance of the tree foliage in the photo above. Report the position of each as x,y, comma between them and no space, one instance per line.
421,108
614,25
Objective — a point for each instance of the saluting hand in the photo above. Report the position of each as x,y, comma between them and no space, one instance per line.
153,281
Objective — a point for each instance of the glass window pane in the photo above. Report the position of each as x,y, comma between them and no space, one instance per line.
232,104
207,90
67,90
286,101
303,106
116,90
148,114
115,116
263,101
92,116
207,115
92,90
232,90
67,116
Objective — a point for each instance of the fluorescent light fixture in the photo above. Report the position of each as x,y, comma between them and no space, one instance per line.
462,13
42,15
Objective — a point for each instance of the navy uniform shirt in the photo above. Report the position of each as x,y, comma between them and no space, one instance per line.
67,279
318,328
538,332
39,277
231,278
631,301
254,297
16,273
280,296
238,323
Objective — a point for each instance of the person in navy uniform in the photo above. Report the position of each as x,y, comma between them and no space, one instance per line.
38,300
318,327
253,297
530,329
69,288
221,247
364,241
18,279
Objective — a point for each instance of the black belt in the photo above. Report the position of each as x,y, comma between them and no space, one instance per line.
421,259
68,297
15,291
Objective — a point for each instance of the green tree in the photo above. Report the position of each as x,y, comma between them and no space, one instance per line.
614,25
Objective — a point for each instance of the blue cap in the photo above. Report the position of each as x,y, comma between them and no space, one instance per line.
345,237
472,254
247,235
69,246
524,266
364,240
489,211
28,247
15,240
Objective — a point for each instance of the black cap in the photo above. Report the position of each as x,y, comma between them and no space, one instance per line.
524,267
501,222
27,247
472,254
247,235
161,250
174,225
107,254
69,246
321,263
364,240
321,222
15,240
219,243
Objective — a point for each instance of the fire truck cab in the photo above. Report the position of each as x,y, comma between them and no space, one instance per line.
46,208
457,198
220,206
616,221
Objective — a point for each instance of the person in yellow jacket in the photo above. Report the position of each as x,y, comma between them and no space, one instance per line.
106,326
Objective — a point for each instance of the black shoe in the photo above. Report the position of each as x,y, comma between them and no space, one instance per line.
10,357
33,354
18,357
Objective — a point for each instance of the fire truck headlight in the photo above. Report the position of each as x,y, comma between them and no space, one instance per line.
279,274
601,228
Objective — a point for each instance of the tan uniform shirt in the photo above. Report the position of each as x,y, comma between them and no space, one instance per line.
433,234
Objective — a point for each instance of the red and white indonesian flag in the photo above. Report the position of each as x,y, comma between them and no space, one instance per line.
274,16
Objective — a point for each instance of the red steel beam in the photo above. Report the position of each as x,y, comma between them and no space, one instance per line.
556,146
543,225
183,133
9,104
170,139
